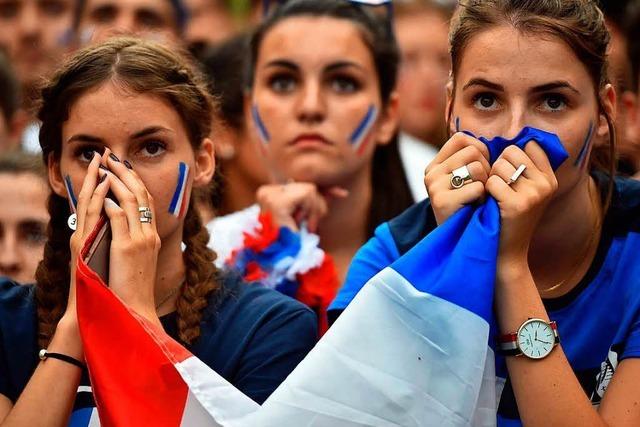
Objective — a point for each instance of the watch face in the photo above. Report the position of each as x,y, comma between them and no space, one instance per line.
536,339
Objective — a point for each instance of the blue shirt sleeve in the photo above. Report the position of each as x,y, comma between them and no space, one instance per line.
379,252
276,348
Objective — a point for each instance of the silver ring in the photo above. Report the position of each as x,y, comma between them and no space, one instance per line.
145,220
144,209
460,177
516,174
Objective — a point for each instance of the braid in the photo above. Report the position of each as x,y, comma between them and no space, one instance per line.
200,277
52,275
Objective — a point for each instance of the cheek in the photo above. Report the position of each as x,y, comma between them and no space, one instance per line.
362,134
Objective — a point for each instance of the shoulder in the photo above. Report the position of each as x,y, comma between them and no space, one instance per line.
412,225
624,212
15,297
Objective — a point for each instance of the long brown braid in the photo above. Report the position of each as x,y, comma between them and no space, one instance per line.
200,276
140,67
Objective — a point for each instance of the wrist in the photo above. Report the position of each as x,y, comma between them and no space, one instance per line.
512,269
66,338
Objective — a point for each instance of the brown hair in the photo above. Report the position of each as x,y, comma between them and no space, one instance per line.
140,67
579,23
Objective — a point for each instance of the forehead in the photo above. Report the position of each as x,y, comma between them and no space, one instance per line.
161,6
315,41
111,112
23,194
506,54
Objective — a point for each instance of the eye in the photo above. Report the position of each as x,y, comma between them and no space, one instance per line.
485,101
344,84
282,83
554,102
53,7
33,232
149,19
85,152
104,14
9,9
152,148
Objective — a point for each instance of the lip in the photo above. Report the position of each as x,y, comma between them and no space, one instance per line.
310,139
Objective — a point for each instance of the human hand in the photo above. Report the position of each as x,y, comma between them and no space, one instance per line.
293,203
460,150
522,202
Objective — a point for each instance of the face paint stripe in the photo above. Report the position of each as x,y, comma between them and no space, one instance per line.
585,147
262,129
72,198
185,197
364,127
457,124
176,200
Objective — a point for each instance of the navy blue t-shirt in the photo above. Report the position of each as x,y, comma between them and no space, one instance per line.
598,320
250,335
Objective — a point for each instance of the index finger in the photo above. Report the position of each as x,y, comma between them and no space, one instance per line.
538,157
456,143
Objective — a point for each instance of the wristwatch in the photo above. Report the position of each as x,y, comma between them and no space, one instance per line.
534,339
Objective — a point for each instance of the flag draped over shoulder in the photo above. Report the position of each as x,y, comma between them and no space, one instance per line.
413,348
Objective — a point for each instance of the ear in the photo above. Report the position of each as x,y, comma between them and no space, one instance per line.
55,176
205,164
388,120
608,101
449,105
224,142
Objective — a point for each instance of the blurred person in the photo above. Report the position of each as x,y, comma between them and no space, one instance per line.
629,161
96,20
421,28
12,117
210,22
23,215
321,103
241,168
35,35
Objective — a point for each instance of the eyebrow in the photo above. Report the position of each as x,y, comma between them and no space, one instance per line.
331,67
559,84
140,134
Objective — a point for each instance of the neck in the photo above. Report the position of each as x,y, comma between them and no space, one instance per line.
575,216
170,271
344,229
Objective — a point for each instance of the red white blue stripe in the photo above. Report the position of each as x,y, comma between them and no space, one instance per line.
72,198
179,199
359,136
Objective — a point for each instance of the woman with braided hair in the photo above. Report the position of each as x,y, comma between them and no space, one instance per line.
133,118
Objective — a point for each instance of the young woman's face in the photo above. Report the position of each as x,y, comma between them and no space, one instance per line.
508,80
142,129
316,103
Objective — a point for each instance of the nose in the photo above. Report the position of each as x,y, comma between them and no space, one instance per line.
125,23
311,105
10,262
29,26
516,119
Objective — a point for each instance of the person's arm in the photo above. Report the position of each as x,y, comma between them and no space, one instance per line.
547,391
48,398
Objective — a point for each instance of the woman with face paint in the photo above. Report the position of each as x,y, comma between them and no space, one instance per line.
567,256
133,118
321,101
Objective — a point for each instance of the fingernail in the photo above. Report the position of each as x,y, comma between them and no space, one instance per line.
103,167
127,164
102,178
110,203
114,157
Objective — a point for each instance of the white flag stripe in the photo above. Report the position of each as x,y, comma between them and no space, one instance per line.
396,356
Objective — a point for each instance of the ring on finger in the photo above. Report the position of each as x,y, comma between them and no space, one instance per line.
516,174
145,214
460,177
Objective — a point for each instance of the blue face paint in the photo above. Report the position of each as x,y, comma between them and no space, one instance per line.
72,198
262,129
457,124
582,156
359,136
